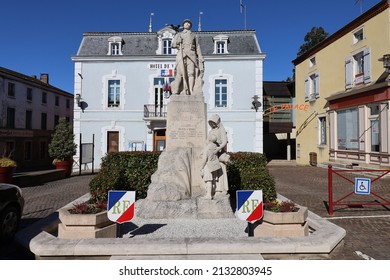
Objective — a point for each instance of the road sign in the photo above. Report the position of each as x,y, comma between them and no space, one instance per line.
120,207
362,185
249,205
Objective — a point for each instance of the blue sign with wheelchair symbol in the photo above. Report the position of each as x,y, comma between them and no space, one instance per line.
362,185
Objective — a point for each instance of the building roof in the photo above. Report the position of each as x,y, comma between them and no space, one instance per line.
278,89
145,44
377,9
31,80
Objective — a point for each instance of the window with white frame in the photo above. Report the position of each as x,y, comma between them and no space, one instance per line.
312,87
348,129
220,44
358,36
167,46
114,90
221,92
115,45
358,69
322,131
312,61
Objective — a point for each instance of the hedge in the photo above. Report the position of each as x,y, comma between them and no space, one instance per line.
131,171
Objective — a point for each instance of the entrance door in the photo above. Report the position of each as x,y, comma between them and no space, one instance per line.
159,140
112,141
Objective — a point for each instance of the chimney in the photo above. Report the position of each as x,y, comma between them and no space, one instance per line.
45,78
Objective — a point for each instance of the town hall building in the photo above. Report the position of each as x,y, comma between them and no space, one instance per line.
122,88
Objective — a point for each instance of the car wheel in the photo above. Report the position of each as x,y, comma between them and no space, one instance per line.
9,222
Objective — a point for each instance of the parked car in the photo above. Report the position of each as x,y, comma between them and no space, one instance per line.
11,210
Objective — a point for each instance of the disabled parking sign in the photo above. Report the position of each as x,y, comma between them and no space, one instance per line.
120,207
362,185
249,205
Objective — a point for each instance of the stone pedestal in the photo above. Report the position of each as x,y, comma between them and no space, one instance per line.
196,208
177,188
186,122
187,128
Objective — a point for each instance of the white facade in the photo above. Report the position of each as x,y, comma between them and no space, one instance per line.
115,87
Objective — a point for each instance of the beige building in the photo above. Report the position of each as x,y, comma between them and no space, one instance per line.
343,82
30,108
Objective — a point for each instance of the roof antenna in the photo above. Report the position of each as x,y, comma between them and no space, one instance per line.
200,24
361,5
150,23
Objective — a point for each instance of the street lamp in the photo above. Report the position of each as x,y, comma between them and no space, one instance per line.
256,104
78,99
386,62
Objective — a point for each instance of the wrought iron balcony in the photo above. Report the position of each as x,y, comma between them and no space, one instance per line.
152,111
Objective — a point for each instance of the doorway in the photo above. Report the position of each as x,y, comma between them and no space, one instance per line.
159,140
112,141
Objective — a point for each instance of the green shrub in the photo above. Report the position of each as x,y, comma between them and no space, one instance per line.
248,171
128,171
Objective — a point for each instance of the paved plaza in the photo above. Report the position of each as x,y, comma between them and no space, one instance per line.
368,227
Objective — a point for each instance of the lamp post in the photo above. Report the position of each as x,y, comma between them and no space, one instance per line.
386,62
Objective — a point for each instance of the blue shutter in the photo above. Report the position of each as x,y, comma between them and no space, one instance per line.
348,73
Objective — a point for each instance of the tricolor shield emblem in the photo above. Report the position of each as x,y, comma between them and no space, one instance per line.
120,207
249,205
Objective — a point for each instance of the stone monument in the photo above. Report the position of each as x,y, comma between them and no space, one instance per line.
184,186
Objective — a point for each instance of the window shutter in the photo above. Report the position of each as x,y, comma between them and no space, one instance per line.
367,65
348,73
317,92
307,89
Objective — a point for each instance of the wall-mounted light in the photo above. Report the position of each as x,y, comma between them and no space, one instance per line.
78,99
386,62
256,104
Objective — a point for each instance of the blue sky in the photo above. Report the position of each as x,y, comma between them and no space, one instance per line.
41,36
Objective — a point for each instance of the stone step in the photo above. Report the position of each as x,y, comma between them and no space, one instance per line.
191,257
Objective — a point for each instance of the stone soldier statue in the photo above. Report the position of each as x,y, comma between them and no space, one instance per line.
189,62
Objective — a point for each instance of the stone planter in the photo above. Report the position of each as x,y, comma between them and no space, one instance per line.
285,224
85,226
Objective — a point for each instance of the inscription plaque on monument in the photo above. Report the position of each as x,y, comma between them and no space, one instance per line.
186,124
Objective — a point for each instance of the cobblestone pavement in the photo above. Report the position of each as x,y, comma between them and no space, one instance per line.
368,227
40,202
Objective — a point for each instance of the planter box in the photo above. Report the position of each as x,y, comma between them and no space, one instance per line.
283,224
6,174
85,226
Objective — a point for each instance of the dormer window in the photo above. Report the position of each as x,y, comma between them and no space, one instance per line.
220,44
115,45
165,37
167,46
